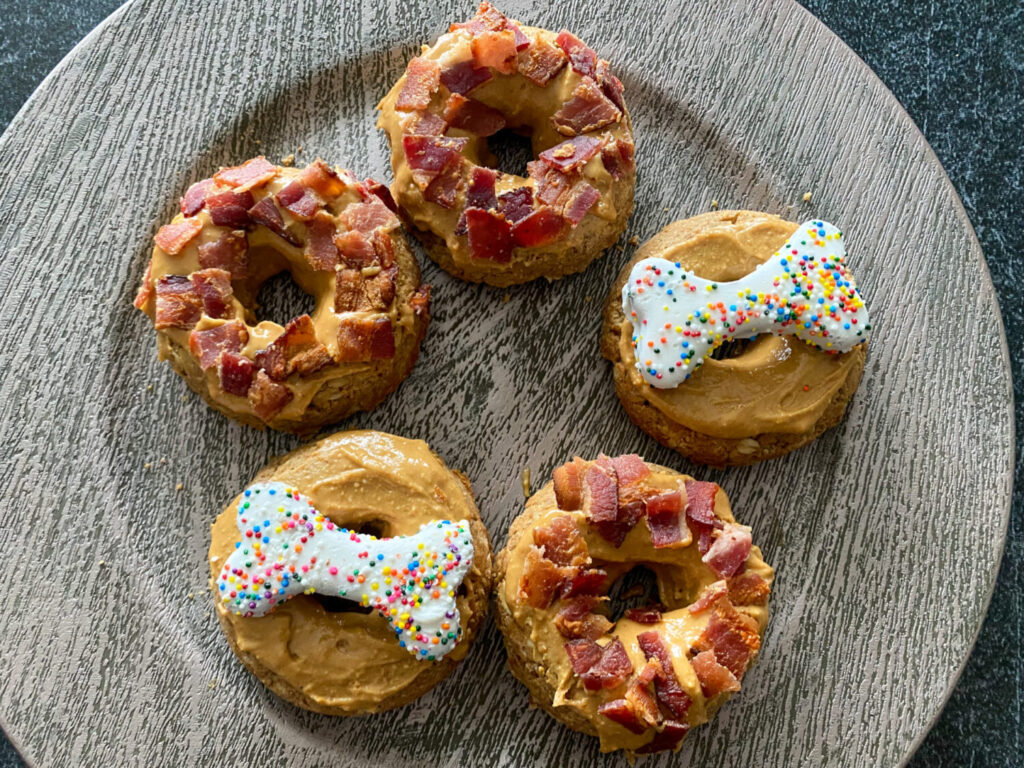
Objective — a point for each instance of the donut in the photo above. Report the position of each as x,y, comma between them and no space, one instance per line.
342,243
641,682
485,225
353,574
779,293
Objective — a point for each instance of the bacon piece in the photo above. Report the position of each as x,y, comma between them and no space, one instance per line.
606,667
251,174
581,56
541,62
230,209
542,227
617,157
422,77
667,688
729,550
267,397
445,186
630,468
229,252
424,124
322,179
714,677
473,116
362,339
177,303
382,193
429,155
584,582
583,199
207,345
541,579
732,636
668,738
587,110
145,292
496,50
576,619
463,77
561,543
640,699
487,18
553,186
600,491
214,289
235,372
355,247
490,236
664,519
383,247
195,197
700,512
480,192
356,293
572,154
711,595
620,711
748,588
516,204
299,200
321,251
420,302
367,216
348,291
267,214
295,350
646,615
568,483
172,238
610,84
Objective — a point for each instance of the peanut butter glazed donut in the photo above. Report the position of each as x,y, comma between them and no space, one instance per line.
342,242
352,575
779,292
499,228
642,682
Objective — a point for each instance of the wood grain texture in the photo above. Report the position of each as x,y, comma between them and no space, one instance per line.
886,533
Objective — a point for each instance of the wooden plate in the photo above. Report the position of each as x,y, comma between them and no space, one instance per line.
886,533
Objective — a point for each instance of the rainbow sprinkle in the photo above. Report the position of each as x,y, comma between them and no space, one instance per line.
803,290
288,548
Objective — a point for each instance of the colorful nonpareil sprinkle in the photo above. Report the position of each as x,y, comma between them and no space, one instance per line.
803,290
288,548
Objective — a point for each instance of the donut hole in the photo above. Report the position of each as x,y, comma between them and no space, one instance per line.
636,588
377,528
512,149
280,299
334,604
731,349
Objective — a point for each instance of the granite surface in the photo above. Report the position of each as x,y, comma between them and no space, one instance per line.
958,68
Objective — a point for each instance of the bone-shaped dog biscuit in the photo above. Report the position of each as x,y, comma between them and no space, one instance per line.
288,548
804,290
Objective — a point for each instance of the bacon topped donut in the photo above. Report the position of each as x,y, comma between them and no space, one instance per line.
485,76
642,682
342,242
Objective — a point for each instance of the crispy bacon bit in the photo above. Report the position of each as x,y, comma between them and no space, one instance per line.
235,372
646,615
230,209
490,236
728,550
429,155
367,216
208,345
572,154
362,339
355,247
561,543
445,186
422,78
668,738
581,56
295,350
251,174
522,41
496,50
299,200
599,667
748,588
620,711
145,292
356,293
195,197
348,291
732,636
600,491
640,698
576,619
541,62
700,512
382,193
664,519
464,77
384,247
321,252
229,252
172,238
584,582
420,302
214,288
553,186
322,179
714,678
480,192
424,124
487,17
630,468
516,204
617,157
267,397
541,580
610,84
473,116
587,110
667,688
568,486
542,227
177,303
583,199
712,594
267,214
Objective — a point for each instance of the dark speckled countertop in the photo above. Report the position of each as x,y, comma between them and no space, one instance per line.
958,68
